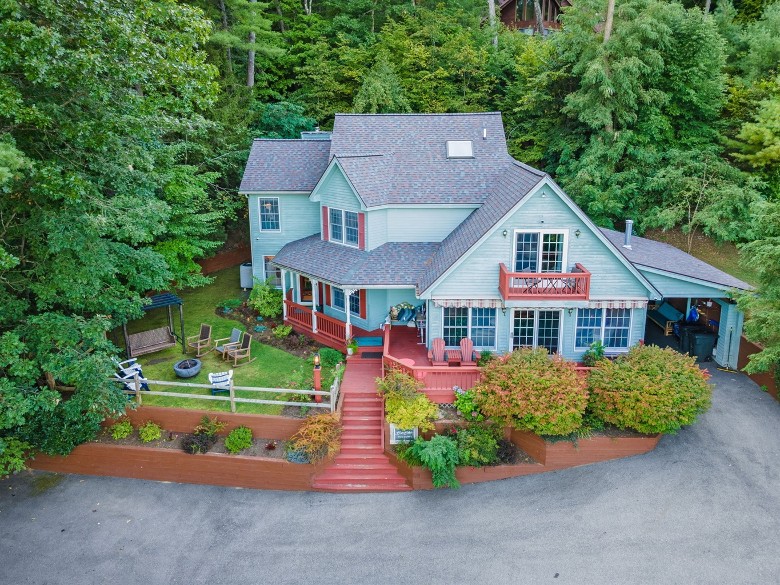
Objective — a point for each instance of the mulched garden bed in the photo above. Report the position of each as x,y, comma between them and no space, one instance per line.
170,440
296,344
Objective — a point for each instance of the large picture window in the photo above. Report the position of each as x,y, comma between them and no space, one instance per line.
610,326
269,214
539,252
343,227
478,324
536,329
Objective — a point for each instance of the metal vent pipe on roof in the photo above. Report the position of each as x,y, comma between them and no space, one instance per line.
629,230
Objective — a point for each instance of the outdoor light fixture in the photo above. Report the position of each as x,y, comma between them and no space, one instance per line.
506,232
316,360
570,310
578,233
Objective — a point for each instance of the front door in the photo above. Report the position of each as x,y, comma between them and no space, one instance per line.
305,289
536,328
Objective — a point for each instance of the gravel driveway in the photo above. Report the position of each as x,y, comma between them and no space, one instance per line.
704,507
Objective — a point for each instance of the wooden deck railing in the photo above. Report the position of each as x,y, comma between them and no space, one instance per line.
515,286
331,328
298,314
327,327
438,380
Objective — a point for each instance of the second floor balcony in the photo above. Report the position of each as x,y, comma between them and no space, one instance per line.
515,286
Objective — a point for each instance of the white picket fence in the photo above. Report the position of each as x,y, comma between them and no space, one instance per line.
329,397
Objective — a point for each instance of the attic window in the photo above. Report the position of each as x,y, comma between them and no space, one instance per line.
459,149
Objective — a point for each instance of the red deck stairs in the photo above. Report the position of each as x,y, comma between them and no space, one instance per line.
361,466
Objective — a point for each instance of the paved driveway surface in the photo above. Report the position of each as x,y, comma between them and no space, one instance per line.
704,507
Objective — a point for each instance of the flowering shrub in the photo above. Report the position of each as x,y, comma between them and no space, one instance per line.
650,390
399,383
530,390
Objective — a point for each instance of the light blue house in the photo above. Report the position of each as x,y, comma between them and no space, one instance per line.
430,211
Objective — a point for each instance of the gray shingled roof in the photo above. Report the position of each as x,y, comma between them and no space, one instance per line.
661,256
402,158
514,182
285,165
393,263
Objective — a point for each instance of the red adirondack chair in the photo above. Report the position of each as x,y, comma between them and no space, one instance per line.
468,357
437,354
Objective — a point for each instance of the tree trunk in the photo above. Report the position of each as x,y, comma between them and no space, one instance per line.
307,6
492,20
539,18
608,23
281,16
250,59
228,52
707,6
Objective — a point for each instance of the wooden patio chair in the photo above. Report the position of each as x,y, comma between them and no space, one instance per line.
201,342
468,357
437,354
242,351
223,344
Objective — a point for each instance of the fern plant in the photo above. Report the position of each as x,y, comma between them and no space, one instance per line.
440,456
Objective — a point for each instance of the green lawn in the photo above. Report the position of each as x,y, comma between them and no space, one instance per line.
271,368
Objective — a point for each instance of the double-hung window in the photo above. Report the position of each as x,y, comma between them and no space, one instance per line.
539,252
478,324
343,226
272,272
269,214
610,326
339,301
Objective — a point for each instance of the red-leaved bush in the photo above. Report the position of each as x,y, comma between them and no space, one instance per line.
531,390
650,390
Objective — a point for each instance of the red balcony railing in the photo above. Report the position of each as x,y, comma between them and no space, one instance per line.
515,286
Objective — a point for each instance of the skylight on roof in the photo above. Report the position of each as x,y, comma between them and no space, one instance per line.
459,149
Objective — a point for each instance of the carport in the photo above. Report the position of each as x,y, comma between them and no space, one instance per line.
684,282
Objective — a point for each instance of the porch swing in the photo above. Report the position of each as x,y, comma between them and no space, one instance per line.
154,340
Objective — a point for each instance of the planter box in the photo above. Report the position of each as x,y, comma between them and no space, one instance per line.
567,454
184,420
550,457
172,465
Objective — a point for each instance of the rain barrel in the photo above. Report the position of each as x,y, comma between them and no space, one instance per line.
246,275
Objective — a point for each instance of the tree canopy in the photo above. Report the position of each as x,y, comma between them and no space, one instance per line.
124,128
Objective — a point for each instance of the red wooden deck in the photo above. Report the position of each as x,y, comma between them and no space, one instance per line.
402,352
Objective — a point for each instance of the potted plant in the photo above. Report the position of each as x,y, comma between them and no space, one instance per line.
352,346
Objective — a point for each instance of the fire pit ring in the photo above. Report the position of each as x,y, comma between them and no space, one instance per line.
187,368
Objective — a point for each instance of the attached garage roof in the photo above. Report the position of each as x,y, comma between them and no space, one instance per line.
645,253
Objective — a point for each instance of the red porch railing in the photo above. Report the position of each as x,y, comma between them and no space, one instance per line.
438,380
327,327
298,314
331,328
515,286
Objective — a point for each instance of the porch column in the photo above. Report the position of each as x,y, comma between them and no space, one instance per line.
315,301
348,292
284,294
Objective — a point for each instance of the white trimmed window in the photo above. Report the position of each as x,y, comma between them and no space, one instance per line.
610,326
272,272
478,324
540,251
269,214
343,226
338,299
532,328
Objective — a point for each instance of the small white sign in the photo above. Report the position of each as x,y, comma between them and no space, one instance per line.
402,435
